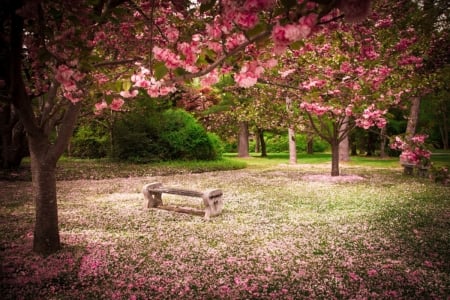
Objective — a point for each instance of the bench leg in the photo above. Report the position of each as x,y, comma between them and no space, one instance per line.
213,203
154,199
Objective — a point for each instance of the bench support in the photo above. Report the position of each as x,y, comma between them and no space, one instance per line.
212,199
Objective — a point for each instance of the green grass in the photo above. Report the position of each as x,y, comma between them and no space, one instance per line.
281,235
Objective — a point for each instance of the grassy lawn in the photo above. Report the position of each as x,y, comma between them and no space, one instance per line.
286,232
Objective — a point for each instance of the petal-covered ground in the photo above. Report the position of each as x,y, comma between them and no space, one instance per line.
285,233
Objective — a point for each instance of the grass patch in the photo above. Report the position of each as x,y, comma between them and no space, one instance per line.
280,236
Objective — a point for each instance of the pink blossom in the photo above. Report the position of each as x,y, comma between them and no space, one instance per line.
170,59
372,272
271,63
72,97
165,90
245,79
116,104
258,4
128,94
286,73
249,74
210,79
213,30
172,34
100,106
411,60
315,108
309,20
246,19
384,23
235,40
63,74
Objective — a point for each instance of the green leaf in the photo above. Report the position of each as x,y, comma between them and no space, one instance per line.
160,70
297,45
118,86
126,85
260,27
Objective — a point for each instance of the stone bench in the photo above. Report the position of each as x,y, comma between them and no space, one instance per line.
212,199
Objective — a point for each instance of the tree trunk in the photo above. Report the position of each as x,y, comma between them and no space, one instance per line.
383,140
310,144
13,143
46,231
262,142
334,157
243,140
344,145
344,153
292,146
443,125
291,133
257,143
413,118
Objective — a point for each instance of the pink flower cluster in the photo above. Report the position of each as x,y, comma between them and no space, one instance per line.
313,83
249,74
116,105
411,60
372,117
287,34
315,108
153,87
413,152
68,79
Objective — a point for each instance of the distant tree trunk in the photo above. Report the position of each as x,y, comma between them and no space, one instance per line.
292,146
344,154
334,157
13,141
383,140
370,144
257,142
291,134
413,118
262,142
243,140
444,125
310,144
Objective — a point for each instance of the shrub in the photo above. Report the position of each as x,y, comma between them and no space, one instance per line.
156,136
136,138
186,138
89,141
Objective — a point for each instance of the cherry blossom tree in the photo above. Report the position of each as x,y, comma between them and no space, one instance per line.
62,53
348,76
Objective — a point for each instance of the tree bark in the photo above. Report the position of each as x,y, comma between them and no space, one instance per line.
292,146
291,134
243,140
13,141
334,157
44,151
344,145
310,144
46,231
383,140
262,142
413,118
